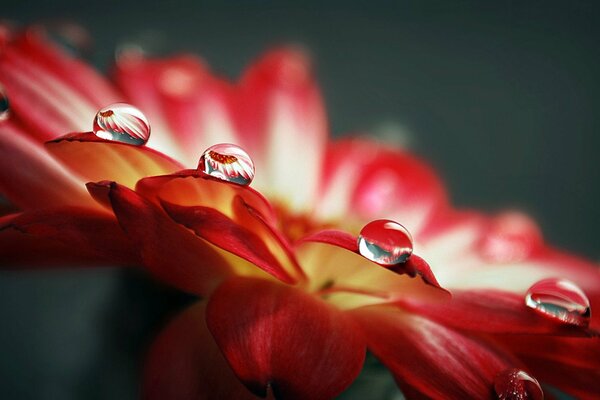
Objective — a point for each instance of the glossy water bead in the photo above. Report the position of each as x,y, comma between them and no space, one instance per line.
122,122
385,242
516,384
560,299
227,162
4,107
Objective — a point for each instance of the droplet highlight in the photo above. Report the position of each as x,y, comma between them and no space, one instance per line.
385,242
122,122
560,299
4,105
227,162
516,384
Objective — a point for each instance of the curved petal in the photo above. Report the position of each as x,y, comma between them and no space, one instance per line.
365,180
50,93
185,363
169,251
96,159
31,178
282,119
65,233
278,337
218,229
432,359
490,310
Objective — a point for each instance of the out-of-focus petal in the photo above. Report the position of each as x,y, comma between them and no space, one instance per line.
282,119
364,180
49,92
489,311
184,363
278,337
68,233
218,229
169,251
96,159
434,360
31,178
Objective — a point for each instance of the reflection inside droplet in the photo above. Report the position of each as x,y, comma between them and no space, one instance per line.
227,162
560,299
4,106
385,242
516,384
122,122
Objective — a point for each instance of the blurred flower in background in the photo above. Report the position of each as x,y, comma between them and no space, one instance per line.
284,243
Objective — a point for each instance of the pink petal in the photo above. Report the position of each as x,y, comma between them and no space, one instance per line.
434,360
218,229
184,363
65,234
49,92
364,180
282,118
96,159
278,337
31,178
489,311
169,251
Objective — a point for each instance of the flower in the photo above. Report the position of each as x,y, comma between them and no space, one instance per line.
290,302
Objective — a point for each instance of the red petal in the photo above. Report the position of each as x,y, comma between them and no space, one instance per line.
489,311
223,232
96,159
282,118
366,181
69,233
337,238
45,88
169,251
184,363
279,337
434,360
31,178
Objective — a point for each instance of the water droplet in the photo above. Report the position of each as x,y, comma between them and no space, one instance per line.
385,242
511,237
227,162
4,106
122,122
515,384
560,299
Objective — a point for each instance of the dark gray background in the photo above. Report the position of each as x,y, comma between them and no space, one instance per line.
501,97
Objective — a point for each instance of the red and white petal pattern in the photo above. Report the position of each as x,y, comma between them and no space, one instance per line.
39,180
364,180
432,359
279,338
185,363
67,234
280,115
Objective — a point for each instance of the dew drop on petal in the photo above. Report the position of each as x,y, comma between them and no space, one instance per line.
227,162
385,242
122,122
560,299
4,106
516,384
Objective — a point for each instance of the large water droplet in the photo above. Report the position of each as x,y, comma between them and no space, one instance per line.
515,384
385,242
227,162
4,106
122,122
560,299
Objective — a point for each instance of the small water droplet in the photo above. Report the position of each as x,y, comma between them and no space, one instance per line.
511,237
4,106
385,242
516,384
122,122
227,162
560,299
